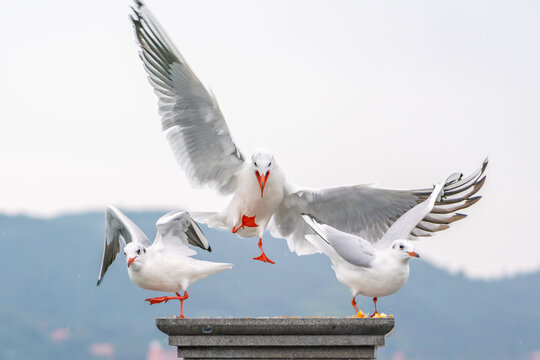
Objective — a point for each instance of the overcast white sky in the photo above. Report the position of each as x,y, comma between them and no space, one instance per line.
343,92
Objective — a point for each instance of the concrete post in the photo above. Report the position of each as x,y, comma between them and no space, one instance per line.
276,338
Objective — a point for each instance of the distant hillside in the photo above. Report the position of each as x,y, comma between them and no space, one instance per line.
50,307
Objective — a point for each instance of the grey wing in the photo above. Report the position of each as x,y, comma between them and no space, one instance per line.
368,212
194,125
178,230
402,227
350,248
118,227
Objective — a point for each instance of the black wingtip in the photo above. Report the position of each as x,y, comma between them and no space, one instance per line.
136,11
313,217
209,248
309,215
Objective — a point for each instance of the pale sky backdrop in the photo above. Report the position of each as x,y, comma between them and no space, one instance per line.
396,93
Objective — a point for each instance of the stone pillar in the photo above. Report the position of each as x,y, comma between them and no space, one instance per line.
276,338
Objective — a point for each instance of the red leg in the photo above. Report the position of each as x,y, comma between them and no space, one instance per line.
182,298
354,305
375,303
263,256
248,221
161,299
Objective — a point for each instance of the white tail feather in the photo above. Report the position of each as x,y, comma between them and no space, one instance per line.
211,219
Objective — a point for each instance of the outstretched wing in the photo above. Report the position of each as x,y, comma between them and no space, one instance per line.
350,248
402,228
118,227
368,212
194,125
176,231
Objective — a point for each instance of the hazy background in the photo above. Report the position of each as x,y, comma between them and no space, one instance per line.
344,92
52,310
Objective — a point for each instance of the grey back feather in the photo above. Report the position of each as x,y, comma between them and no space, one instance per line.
350,248
177,228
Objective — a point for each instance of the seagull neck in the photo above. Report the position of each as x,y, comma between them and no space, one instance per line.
390,254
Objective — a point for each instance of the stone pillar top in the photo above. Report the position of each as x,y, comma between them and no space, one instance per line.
276,337
276,326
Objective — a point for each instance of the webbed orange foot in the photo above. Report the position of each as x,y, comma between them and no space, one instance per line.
248,221
360,314
263,256
160,299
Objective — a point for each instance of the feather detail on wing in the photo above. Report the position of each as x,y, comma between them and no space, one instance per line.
368,212
118,227
194,125
176,231
337,244
402,227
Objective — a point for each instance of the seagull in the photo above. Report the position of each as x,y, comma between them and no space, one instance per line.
373,270
164,265
261,196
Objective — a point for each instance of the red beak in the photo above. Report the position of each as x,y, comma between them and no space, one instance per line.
262,179
413,253
131,260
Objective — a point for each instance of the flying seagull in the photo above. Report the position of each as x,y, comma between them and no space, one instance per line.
164,265
262,197
372,269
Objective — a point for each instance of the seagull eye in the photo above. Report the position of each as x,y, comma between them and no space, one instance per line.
401,246
138,251
270,163
255,163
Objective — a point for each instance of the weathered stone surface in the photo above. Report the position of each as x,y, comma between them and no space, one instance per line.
276,338
275,326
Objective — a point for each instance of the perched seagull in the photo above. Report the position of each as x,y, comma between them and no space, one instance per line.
372,269
262,197
164,265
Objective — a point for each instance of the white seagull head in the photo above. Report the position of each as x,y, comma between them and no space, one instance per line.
135,254
261,163
404,250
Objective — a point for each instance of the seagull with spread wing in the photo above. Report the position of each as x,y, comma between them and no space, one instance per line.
262,197
372,269
164,265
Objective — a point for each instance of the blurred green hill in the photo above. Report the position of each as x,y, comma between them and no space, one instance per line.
50,307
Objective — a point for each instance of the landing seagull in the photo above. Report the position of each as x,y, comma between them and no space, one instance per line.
164,265
373,270
262,197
